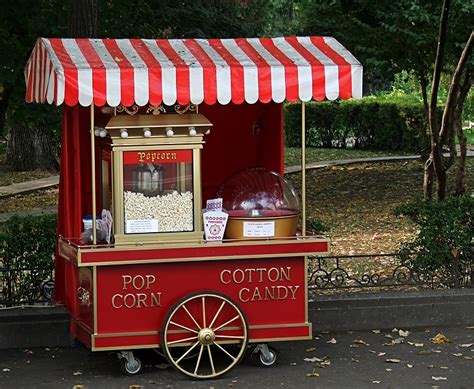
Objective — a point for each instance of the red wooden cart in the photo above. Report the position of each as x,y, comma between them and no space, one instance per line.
152,284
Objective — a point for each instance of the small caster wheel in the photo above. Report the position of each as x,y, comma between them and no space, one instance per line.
131,367
264,355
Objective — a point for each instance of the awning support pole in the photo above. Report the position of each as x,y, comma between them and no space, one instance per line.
94,221
303,168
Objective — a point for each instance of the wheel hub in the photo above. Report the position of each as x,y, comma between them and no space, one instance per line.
206,336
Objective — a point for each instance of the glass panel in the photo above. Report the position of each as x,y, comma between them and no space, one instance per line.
158,191
106,179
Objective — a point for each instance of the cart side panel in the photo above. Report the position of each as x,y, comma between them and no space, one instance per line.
85,296
134,299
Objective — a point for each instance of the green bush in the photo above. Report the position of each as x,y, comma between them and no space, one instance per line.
445,233
371,123
27,247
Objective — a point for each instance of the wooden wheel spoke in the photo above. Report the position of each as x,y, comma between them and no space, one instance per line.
181,340
211,360
230,336
186,353
198,360
191,316
184,341
217,314
225,351
183,327
204,312
227,322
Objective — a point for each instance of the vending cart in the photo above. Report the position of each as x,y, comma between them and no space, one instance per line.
176,228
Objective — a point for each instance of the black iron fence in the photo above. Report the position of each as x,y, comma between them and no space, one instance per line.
22,286
25,286
387,271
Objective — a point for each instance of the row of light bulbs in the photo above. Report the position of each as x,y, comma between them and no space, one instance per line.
102,132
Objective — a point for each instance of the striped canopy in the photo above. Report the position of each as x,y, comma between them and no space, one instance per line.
154,71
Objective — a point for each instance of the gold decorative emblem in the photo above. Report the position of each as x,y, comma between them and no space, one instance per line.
84,297
131,111
156,109
190,107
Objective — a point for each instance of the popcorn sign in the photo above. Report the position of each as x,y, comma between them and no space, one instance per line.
214,225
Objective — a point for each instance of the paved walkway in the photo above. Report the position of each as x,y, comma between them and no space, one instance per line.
362,359
28,186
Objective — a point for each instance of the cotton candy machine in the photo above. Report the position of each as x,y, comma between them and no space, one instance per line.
260,204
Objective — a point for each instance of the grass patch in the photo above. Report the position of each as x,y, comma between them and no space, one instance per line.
293,154
356,203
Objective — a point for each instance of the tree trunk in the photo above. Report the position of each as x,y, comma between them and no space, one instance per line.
428,179
82,18
4,100
436,148
461,184
30,148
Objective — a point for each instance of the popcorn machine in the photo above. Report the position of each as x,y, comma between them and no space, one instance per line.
135,149
155,187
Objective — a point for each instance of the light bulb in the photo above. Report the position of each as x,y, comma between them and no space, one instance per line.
192,131
146,132
96,132
123,134
103,133
207,132
169,131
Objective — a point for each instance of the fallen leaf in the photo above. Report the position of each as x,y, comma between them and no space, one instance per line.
315,359
332,341
403,333
437,351
388,369
439,378
470,328
457,354
429,366
415,344
398,340
313,374
77,373
468,358
46,349
376,382
376,331
372,351
409,365
292,363
466,345
316,337
308,350
395,330
391,360
355,360
354,346
424,352
444,367
388,336
6,369
350,332
439,339
381,354
360,341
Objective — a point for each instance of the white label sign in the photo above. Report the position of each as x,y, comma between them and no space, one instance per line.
141,226
259,229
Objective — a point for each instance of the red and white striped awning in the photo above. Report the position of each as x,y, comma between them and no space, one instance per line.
141,71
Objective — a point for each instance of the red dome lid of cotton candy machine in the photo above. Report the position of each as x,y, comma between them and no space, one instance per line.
259,195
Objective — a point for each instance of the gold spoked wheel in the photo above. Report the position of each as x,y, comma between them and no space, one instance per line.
204,335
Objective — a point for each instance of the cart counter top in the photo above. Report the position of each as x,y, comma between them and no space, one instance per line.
92,255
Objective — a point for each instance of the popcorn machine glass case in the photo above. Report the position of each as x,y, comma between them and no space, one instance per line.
156,176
